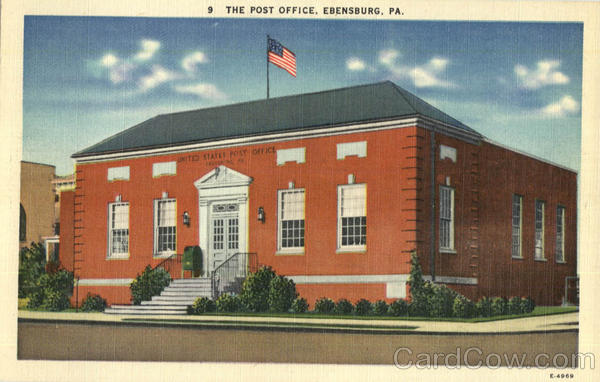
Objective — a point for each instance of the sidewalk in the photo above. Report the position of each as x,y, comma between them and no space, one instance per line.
551,323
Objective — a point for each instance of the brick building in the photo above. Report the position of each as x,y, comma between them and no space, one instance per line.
333,189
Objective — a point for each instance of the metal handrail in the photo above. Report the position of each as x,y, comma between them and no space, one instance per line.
217,286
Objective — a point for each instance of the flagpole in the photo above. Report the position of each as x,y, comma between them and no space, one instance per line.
268,66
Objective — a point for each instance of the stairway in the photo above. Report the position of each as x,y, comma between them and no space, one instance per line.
173,300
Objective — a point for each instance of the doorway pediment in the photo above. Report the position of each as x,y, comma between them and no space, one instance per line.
222,177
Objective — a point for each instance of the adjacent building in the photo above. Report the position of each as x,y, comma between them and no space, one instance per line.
334,189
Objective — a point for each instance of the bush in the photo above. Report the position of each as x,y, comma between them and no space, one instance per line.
484,307
441,301
55,301
324,305
527,305
363,307
282,293
255,290
93,303
343,306
463,307
32,263
202,305
415,279
229,303
514,305
499,306
398,308
149,283
380,308
299,305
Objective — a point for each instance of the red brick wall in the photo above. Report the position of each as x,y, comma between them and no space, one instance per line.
66,229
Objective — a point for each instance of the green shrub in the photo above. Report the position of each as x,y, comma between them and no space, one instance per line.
324,305
299,305
32,262
499,306
398,308
229,303
463,307
441,301
380,308
93,303
55,300
149,283
255,290
36,298
514,305
343,306
282,293
363,307
415,278
484,307
202,305
527,305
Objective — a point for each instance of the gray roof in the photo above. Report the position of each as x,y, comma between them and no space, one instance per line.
373,102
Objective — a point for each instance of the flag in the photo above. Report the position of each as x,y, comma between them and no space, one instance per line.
281,56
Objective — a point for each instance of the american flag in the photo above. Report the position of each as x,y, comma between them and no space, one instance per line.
281,56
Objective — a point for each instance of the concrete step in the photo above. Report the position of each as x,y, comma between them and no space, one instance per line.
203,280
145,312
177,299
168,303
149,307
185,293
187,289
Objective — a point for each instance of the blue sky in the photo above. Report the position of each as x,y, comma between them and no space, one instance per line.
86,78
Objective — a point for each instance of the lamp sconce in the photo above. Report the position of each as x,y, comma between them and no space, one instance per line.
261,214
186,218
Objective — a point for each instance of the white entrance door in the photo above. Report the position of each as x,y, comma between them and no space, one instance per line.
224,232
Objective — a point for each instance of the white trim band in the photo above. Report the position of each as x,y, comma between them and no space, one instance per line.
375,279
105,282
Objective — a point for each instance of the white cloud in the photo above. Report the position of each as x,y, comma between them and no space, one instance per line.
202,90
566,105
427,75
148,49
109,60
120,72
190,61
388,57
545,73
355,64
158,76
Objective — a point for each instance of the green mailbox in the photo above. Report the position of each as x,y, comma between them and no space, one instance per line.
192,260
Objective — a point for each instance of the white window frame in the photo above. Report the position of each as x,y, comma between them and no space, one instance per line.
560,234
157,204
358,149
111,231
117,173
539,254
297,155
280,221
164,168
443,218
519,227
350,247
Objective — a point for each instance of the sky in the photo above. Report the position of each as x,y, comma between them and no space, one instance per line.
87,78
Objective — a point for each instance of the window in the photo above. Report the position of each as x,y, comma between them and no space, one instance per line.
22,224
446,218
118,229
560,234
164,168
352,216
118,173
165,230
290,217
539,230
517,220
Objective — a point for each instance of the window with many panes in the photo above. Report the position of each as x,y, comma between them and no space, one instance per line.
118,229
517,220
446,218
352,216
560,234
165,230
290,219
539,230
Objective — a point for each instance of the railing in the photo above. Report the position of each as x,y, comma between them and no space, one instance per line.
228,276
170,264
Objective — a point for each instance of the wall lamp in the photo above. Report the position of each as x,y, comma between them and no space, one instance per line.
186,218
261,214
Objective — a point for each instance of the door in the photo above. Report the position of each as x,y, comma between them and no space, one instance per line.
224,233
